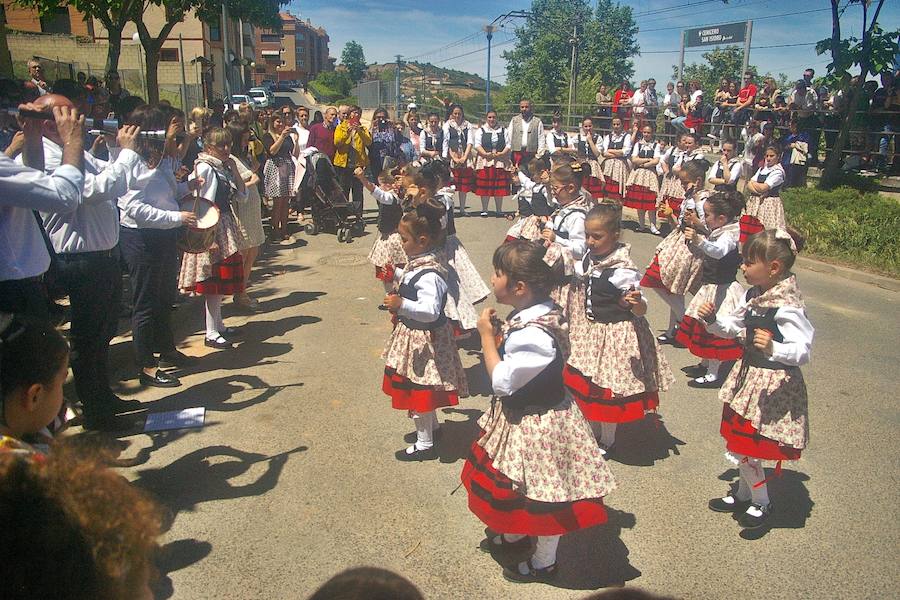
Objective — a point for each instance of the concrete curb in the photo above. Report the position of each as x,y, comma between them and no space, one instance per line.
885,283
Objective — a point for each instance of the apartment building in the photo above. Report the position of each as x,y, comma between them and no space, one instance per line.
298,51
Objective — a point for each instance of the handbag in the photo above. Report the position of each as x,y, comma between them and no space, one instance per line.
799,154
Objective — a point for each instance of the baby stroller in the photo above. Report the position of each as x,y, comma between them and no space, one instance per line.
331,211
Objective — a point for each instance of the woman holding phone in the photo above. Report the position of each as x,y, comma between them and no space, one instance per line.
351,140
278,174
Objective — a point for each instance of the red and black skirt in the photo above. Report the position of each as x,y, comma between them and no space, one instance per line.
640,197
518,156
492,181
464,179
652,277
494,499
599,404
742,438
674,203
227,278
385,273
692,334
749,225
406,395
594,186
612,189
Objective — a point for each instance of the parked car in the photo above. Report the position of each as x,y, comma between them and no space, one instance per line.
267,84
261,96
237,99
284,86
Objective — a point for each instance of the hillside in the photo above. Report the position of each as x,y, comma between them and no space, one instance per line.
433,79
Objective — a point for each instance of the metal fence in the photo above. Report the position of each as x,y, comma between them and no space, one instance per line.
372,94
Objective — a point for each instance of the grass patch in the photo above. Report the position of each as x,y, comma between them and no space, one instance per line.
860,228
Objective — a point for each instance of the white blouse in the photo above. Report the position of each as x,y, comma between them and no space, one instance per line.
431,289
526,352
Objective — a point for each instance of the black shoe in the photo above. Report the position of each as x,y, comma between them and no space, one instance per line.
533,576
230,333
488,545
666,338
416,455
219,343
723,506
382,307
175,359
161,379
694,371
749,521
107,423
113,405
703,383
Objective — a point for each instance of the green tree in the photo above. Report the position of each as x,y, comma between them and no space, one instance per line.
262,13
353,58
539,64
720,62
871,55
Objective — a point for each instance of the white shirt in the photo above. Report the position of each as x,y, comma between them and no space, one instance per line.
22,190
663,157
469,138
638,101
41,86
495,137
151,201
526,352
774,176
796,329
750,144
570,222
626,143
621,278
718,246
95,225
671,101
210,186
431,289
385,197
551,141
642,145
734,170
433,136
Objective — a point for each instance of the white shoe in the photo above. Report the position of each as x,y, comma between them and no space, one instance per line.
654,230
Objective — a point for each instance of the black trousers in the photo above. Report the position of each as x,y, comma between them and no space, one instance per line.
25,297
93,282
152,260
353,187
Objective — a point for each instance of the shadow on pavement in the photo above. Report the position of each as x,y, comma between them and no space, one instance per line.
457,436
291,300
642,443
479,382
597,557
175,556
791,504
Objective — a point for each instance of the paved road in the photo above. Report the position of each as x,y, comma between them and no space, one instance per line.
293,478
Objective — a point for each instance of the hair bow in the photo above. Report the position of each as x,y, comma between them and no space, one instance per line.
781,234
576,167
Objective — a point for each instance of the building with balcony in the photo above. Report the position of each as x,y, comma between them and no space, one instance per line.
298,51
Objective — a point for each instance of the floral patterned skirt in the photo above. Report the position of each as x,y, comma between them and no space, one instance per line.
615,174
387,250
741,437
692,332
215,272
526,228
674,268
760,214
427,358
642,189
601,405
672,193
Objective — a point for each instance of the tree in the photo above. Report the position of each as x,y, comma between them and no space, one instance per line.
873,54
538,66
353,58
113,14
262,13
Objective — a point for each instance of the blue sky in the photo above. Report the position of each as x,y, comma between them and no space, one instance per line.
420,29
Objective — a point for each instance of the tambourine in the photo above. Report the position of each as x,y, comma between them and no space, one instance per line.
200,237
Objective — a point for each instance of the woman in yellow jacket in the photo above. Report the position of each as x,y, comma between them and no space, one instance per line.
351,143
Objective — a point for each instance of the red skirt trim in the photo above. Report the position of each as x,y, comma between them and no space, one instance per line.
521,155
742,438
652,277
594,186
227,278
406,395
640,197
611,189
749,225
492,181
692,334
464,179
599,404
385,273
494,499
509,238
674,203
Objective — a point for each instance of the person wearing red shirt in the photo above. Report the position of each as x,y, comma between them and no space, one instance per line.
746,101
621,106
321,135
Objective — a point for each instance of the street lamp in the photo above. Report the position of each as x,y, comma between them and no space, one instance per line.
489,30
136,38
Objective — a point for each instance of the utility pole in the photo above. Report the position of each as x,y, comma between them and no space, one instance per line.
681,58
226,63
572,70
489,30
184,94
397,87
747,36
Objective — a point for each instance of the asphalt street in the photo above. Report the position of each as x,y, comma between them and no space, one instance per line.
293,479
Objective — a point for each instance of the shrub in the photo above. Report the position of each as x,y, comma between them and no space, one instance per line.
846,224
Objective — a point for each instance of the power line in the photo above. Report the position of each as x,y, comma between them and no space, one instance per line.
658,11
800,12
707,49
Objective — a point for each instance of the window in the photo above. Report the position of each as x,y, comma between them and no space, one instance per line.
270,38
300,36
56,21
215,32
168,54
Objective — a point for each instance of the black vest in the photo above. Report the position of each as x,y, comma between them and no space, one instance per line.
458,140
544,391
752,322
408,291
723,270
560,141
645,151
614,145
434,143
602,298
563,215
762,179
389,216
583,148
539,204
487,143
223,192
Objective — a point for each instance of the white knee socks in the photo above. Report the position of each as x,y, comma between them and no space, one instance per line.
214,317
676,307
424,429
608,434
752,473
545,552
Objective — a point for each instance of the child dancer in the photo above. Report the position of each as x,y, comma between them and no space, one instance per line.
672,192
431,140
458,140
566,225
765,416
616,150
616,369
422,367
387,251
726,171
764,209
219,271
719,251
675,269
590,149
643,183
491,145
536,470
535,206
